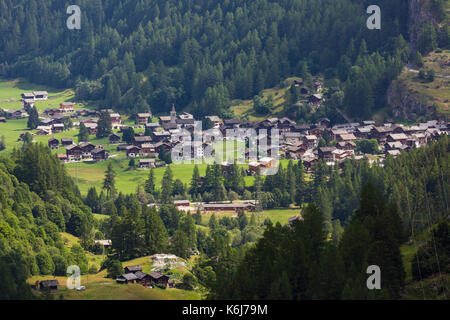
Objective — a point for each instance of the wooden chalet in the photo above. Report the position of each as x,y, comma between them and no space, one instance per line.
99,154
115,118
74,153
87,148
346,145
40,95
132,269
148,149
141,140
159,136
327,154
27,96
143,278
393,137
133,151
147,163
310,141
127,278
142,118
159,278
52,285
346,137
66,141
67,107
58,127
53,143
114,138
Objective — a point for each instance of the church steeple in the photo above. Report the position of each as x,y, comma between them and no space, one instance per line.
173,114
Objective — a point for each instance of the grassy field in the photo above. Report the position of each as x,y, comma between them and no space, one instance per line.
98,287
88,174
11,90
244,108
275,215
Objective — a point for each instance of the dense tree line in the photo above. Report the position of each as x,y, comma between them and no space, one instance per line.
200,54
38,200
417,182
298,262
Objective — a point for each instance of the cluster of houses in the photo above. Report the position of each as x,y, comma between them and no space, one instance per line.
134,274
296,141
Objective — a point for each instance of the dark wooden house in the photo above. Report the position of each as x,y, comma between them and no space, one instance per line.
132,269
66,141
99,154
159,278
114,138
127,278
52,285
53,144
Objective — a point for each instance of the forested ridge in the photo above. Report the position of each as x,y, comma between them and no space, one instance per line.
38,200
200,54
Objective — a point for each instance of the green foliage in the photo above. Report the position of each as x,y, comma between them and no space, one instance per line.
369,146
33,119
83,134
134,58
104,128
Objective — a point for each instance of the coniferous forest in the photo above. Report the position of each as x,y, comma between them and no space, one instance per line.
200,54
137,56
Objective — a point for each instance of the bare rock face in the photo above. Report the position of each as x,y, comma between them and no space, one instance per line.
407,104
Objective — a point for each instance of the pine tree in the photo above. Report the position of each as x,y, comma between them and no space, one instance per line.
83,134
33,119
109,183
104,126
150,186
194,189
167,186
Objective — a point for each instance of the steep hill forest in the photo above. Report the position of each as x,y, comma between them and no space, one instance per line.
38,201
199,54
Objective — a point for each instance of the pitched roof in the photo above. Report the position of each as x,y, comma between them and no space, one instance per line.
134,268
129,276
49,283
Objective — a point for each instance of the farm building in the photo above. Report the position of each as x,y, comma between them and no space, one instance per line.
142,118
53,144
226,206
40,95
159,278
114,138
67,107
132,269
66,141
99,154
146,163
51,284
127,278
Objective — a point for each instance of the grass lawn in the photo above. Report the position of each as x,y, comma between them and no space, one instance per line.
98,287
11,90
244,108
89,174
275,215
